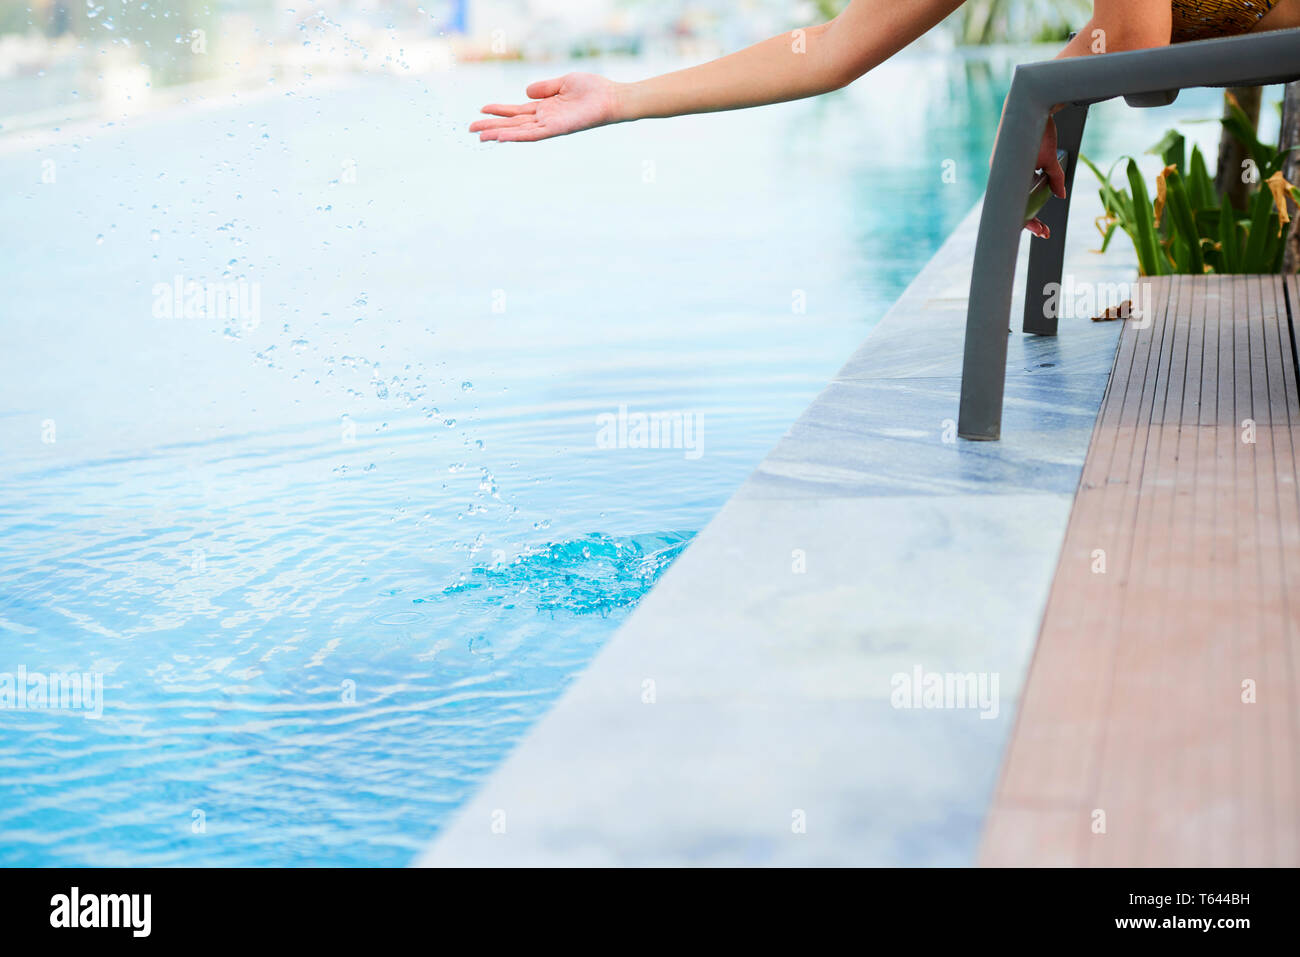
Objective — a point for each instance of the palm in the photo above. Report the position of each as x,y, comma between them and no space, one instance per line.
576,101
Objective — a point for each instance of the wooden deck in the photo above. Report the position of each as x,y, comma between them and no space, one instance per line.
1160,723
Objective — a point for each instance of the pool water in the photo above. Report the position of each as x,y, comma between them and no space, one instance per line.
335,550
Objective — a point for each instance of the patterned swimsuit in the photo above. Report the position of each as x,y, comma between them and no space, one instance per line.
1201,19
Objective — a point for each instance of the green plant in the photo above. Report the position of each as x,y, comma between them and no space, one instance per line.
1189,227
1015,21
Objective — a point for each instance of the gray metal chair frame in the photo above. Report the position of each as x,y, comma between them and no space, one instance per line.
1143,78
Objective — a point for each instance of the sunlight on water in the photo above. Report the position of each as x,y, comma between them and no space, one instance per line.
334,553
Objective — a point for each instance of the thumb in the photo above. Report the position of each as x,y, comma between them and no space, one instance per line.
544,88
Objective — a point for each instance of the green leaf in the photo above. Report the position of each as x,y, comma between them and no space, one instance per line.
1151,258
1183,223
1230,242
1114,202
1093,166
1172,149
1106,236
1255,258
1238,124
1199,185
1274,164
1279,255
1207,222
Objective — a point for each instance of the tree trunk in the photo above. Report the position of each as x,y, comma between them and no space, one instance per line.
1290,137
1229,180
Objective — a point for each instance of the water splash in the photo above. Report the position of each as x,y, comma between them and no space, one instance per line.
595,574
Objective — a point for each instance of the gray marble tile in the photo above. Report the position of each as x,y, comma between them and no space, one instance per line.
771,695
862,548
930,343
923,334
887,437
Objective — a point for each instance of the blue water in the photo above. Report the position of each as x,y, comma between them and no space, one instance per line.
333,563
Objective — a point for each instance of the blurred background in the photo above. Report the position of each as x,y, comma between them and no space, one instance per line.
335,558
79,58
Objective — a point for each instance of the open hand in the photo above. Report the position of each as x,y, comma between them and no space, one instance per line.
567,104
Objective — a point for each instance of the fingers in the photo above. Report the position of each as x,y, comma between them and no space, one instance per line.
1038,228
508,109
1055,176
544,88
525,133
479,126
516,115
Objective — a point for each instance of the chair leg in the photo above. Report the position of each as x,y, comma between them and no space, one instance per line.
984,360
1047,256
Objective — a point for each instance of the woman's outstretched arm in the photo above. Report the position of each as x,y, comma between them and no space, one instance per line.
786,67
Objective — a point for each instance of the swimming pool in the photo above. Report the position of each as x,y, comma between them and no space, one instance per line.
334,551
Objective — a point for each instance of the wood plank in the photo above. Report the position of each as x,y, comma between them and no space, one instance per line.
1056,760
1134,707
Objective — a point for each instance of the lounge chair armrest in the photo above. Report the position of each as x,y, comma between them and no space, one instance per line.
1255,59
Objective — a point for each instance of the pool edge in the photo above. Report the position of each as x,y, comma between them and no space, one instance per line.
742,714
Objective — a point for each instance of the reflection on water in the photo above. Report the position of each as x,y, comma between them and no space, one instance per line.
334,554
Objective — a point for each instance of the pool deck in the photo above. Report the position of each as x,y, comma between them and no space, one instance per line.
743,714
1158,725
